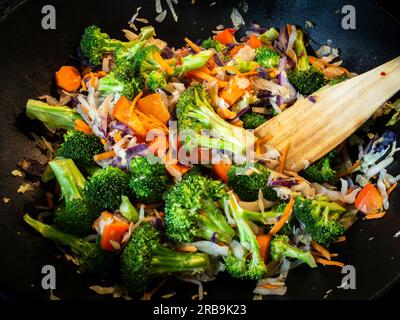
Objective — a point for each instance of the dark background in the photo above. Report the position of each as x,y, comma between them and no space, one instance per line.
392,7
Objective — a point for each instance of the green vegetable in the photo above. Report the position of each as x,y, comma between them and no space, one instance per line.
149,179
192,62
269,36
320,171
245,66
190,210
128,210
211,43
156,80
55,117
305,78
262,217
396,116
145,258
195,114
320,218
247,179
74,215
91,257
252,120
337,80
267,57
280,247
80,147
111,84
249,266
105,188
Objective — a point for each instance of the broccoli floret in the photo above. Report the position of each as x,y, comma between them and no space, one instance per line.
320,218
149,179
190,210
245,66
55,117
92,258
280,247
195,116
95,44
245,267
305,78
113,84
105,188
252,120
247,179
211,43
145,258
156,80
74,215
80,147
320,171
267,57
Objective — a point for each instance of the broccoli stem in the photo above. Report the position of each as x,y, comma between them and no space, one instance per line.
69,177
192,62
56,117
296,253
52,233
166,260
263,217
300,48
128,210
213,224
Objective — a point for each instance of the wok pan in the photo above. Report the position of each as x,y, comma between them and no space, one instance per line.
29,56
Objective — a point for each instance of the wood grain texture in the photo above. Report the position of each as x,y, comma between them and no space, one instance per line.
314,129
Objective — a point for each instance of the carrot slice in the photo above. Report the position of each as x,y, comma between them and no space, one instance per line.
329,262
232,92
323,251
68,78
254,42
194,46
152,104
226,36
104,155
163,63
340,239
204,76
113,232
263,241
122,113
284,217
81,125
378,215
369,200
392,187
221,170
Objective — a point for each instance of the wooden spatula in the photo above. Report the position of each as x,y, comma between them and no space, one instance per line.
315,128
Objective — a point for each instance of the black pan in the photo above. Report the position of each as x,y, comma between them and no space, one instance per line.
29,56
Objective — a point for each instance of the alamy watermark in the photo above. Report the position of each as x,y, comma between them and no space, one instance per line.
49,18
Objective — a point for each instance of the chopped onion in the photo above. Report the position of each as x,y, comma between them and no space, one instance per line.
211,248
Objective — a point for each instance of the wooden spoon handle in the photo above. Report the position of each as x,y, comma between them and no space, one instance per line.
314,129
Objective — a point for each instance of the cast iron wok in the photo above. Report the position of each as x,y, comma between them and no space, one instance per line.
29,56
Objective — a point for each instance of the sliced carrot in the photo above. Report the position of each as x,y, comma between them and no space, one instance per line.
236,49
378,215
194,46
187,248
81,125
340,239
153,104
329,262
160,60
282,163
226,36
104,155
232,92
113,232
349,170
263,242
254,42
221,170
369,200
205,76
284,217
270,286
323,251
134,101
68,78
121,113
391,188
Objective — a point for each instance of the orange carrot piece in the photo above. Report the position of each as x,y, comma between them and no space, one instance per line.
263,242
392,187
340,239
134,101
349,170
221,170
226,36
320,249
232,92
113,232
68,78
121,113
194,46
329,262
378,215
204,76
369,200
153,104
282,163
81,125
270,286
284,217
160,60
104,155
235,50
254,42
